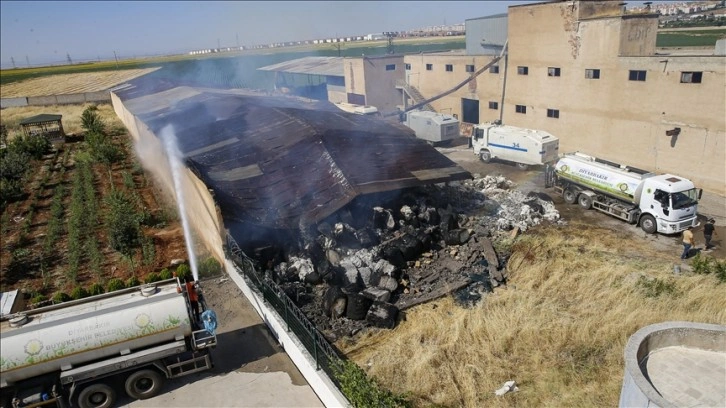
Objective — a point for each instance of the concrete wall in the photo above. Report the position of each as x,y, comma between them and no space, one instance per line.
201,209
63,99
380,85
486,35
13,102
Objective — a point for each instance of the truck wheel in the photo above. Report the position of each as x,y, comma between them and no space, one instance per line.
144,384
647,223
97,395
570,196
485,156
522,166
585,201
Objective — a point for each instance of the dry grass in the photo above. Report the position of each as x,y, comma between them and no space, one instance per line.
575,296
71,83
11,117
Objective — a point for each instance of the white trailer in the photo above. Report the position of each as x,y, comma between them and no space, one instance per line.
72,354
664,203
432,126
525,147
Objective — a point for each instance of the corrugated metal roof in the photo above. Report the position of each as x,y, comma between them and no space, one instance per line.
281,161
329,66
43,117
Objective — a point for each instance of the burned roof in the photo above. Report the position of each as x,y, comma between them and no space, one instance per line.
280,162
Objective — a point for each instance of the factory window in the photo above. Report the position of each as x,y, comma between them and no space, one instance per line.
469,68
521,109
494,69
553,113
553,71
469,110
408,67
691,77
493,105
390,67
637,75
449,68
523,70
429,67
592,73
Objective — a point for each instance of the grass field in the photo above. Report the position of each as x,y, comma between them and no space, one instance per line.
576,293
690,38
70,83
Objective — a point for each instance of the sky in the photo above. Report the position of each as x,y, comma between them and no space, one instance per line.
47,32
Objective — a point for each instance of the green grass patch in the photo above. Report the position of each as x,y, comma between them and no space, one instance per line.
695,38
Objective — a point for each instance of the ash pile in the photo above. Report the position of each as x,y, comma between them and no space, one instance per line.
374,258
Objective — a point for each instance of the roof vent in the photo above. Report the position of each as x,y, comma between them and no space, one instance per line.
19,320
148,290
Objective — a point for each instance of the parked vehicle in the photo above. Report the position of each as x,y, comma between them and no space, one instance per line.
664,203
435,128
525,147
74,353
364,110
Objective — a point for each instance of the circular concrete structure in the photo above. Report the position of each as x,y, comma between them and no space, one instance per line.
675,364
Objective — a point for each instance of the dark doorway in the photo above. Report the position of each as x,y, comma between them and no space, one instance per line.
469,111
356,99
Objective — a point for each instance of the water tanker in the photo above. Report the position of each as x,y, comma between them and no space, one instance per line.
664,203
72,353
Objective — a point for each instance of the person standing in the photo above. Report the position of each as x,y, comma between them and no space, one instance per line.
193,297
688,242
708,231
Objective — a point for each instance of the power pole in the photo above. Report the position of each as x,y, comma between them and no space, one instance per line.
27,60
116,58
68,57
12,60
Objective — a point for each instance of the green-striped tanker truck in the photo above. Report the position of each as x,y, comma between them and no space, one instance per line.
84,352
658,203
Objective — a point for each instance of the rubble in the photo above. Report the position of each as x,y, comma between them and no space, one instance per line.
364,264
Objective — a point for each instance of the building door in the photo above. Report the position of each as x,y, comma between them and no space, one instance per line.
470,111
356,99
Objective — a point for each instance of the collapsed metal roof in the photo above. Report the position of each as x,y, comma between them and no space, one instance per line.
280,162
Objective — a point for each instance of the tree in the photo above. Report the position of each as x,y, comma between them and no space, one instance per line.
122,223
91,121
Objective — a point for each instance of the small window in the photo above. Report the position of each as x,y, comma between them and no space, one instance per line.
493,105
469,68
592,73
449,68
523,70
521,108
553,71
391,67
553,113
691,77
429,67
408,67
494,69
637,76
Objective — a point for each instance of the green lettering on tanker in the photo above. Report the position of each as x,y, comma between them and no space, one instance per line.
617,192
36,351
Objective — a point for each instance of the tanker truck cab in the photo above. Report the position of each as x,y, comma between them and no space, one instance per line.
671,200
525,147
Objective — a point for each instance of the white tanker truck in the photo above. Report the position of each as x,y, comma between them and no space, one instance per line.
74,353
664,203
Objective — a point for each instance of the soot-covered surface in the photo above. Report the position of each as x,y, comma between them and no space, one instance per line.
282,162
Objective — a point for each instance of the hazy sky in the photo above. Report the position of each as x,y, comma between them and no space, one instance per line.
47,31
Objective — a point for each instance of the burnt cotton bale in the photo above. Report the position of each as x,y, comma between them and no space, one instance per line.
332,301
394,256
382,315
357,307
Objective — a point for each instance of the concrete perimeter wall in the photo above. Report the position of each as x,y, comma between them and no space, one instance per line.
64,99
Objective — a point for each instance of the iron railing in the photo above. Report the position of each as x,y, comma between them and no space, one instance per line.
323,353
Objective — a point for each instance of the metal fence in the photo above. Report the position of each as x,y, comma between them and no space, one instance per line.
323,353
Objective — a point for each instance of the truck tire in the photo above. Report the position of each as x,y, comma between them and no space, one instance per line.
485,156
647,223
570,195
144,384
97,395
522,166
585,201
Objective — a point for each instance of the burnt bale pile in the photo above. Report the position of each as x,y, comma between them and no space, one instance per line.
365,263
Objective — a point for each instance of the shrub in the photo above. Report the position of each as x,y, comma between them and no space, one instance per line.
182,271
152,277
37,299
122,223
654,287
91,121
148,250
165,274
209,267
362,391
133,281
701,264
34,145
60,297
114,285
95,289
79,293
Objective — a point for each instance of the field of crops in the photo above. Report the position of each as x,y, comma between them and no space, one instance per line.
690,38
71,83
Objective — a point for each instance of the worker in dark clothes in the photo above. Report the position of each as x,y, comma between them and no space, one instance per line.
193,297
708,232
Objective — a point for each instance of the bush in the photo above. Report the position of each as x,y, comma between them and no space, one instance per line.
91,121
60,297
96,289
654,287
152,277
209,267
133,281
182,271
79,293
165,274
38,299
122,223
114,285
35,146
362,391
